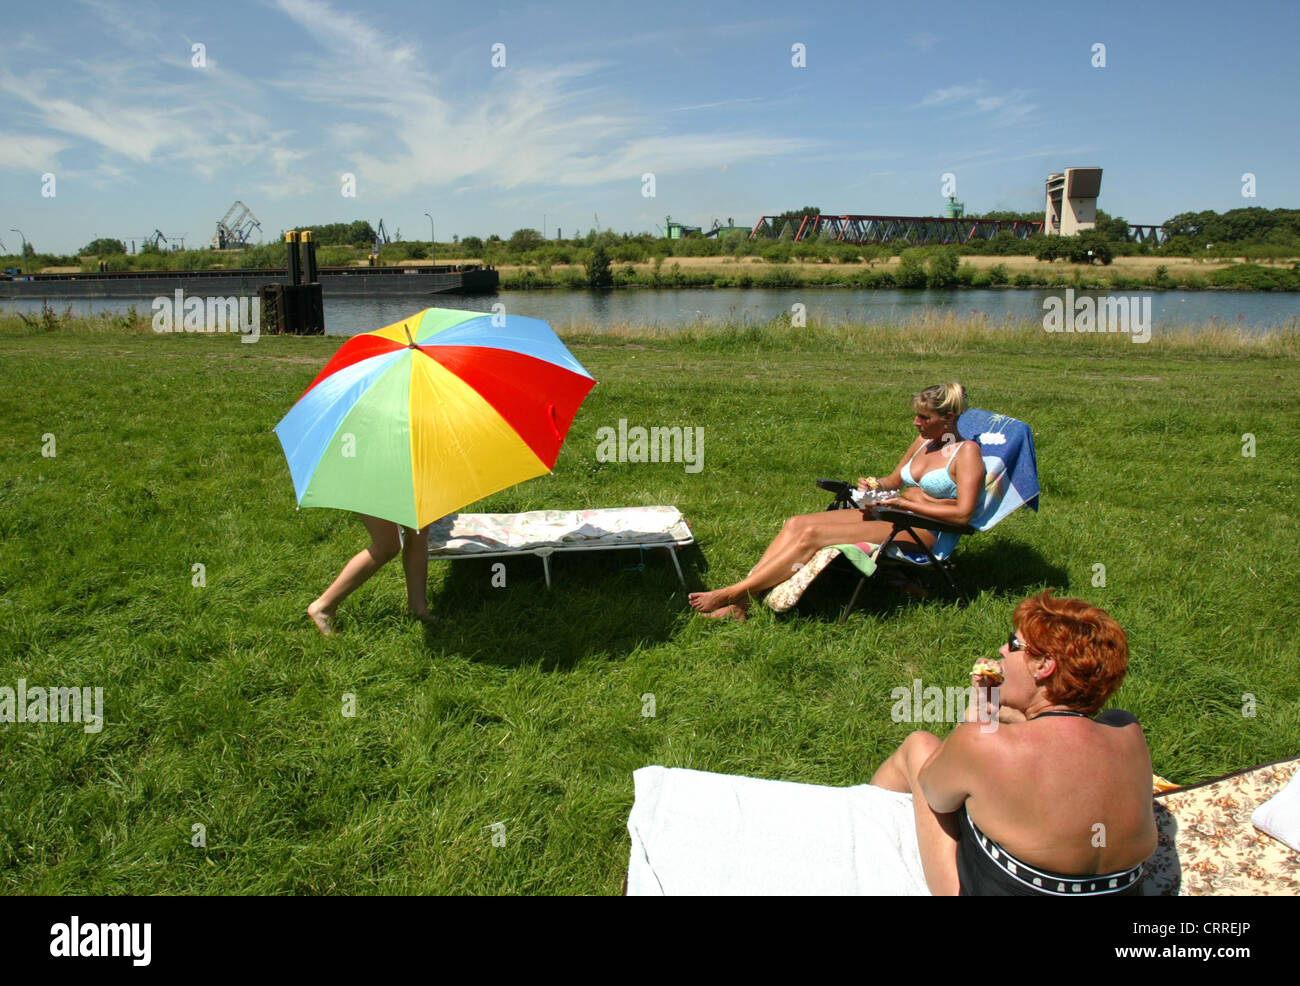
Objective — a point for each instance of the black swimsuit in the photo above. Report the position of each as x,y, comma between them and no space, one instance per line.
985,869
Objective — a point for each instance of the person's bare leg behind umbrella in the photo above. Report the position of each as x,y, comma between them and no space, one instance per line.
385,545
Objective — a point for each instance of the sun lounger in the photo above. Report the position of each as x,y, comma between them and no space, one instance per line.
547,532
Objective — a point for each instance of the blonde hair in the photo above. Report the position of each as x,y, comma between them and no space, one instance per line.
943,398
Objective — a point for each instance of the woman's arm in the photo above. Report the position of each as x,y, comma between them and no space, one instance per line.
968,473
945,778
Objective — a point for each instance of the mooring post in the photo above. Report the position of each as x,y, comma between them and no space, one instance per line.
291,247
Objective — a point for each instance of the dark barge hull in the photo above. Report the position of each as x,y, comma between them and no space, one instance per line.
336,282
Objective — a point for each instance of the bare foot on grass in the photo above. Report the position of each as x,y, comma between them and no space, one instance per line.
732,612
423,615
323,619
707,602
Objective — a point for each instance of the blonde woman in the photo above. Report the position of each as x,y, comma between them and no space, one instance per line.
939,476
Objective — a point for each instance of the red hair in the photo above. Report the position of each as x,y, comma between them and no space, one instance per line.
1090,649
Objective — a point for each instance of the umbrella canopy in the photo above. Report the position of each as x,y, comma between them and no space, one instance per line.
414,421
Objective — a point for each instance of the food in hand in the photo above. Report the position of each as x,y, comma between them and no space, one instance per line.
989,670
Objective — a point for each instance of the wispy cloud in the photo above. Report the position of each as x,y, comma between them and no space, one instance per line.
546,127
24,152
1001,110
721,102
939,97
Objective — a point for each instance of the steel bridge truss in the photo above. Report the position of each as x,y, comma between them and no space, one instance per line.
920,230
882,229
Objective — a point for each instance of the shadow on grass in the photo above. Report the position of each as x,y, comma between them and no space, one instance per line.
600,604
1011,569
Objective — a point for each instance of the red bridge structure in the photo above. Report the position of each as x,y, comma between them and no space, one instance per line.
920,230
882,229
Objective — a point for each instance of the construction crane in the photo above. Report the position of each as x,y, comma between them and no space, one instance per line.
381,239
235,227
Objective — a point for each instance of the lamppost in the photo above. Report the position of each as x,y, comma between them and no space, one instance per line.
430,236
20,233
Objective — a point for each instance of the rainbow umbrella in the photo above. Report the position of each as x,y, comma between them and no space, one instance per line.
413,421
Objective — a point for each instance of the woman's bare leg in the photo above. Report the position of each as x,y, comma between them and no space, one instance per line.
415,563
383,548
936,833
800,539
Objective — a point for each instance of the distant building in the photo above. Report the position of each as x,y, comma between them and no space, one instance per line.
1072,201
677,231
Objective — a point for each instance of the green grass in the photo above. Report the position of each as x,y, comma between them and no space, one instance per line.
524,707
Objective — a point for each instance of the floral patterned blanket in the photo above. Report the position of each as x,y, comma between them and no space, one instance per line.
1208,846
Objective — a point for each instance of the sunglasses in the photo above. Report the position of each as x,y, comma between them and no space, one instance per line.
1014,643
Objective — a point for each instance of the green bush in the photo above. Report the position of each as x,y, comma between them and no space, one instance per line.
103,248
780,277
406,250
998,274
1025,280
598,272
981,280
523,240
1088,247
696,246
629,253
942,271
1048,248
1253,277
911,269
334,256
777,253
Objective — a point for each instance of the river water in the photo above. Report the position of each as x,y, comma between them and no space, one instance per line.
1171,311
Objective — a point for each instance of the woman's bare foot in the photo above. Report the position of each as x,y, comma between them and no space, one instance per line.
732,612
323,618
423,615
707,602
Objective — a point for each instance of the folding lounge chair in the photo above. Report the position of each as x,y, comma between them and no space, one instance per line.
1010,482
543,533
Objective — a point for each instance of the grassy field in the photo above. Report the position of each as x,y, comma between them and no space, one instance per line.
518,719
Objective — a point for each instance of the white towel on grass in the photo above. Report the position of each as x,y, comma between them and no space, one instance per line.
1279,816
698,833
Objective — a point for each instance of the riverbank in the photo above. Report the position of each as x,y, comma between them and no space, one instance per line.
1126,273
1123,274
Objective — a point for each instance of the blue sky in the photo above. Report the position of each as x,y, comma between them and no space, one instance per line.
296,93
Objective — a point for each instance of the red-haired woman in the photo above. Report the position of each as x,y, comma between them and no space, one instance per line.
1035,796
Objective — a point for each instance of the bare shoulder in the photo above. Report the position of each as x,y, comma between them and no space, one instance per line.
970,452
975,758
